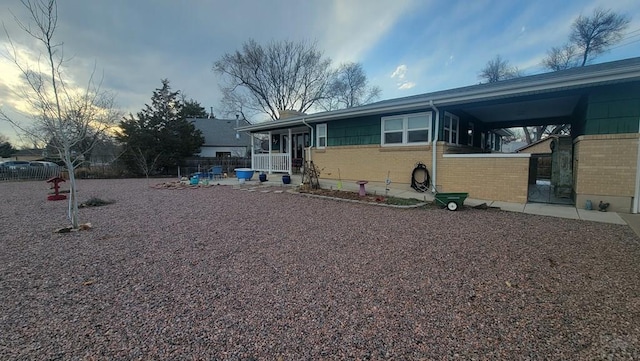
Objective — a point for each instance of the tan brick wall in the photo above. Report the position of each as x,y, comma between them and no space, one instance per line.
502,179
499,179
371,162
605,165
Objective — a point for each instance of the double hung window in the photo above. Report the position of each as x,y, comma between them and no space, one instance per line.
406,129
321,135
451,128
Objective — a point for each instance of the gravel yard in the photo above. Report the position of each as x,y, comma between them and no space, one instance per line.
224,274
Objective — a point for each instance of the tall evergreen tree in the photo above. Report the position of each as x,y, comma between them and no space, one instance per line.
6,149
192,109
159,135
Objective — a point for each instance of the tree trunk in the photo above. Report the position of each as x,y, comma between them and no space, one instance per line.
73,191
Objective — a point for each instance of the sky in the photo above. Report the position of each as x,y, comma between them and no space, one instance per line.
406,47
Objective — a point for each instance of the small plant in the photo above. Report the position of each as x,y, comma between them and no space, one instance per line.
95,202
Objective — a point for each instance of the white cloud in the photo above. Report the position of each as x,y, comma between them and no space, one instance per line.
400,71
407,85
399,75
450,60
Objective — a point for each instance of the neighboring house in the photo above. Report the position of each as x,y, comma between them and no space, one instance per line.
454,132
221,138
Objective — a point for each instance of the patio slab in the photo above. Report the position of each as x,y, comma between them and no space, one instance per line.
551,210
606,217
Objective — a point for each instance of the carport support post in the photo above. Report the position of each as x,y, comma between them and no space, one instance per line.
636,196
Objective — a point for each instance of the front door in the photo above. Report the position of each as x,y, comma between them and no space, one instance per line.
299,141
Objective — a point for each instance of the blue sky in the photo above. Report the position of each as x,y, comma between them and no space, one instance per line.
406,47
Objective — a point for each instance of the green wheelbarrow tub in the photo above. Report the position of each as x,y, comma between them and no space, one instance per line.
451,200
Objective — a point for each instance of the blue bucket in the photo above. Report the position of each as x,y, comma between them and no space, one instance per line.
244,173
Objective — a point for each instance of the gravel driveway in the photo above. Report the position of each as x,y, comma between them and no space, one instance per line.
223,274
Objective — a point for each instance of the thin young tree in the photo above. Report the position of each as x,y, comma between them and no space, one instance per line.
62,116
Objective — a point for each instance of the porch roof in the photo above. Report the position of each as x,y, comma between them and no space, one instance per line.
484,101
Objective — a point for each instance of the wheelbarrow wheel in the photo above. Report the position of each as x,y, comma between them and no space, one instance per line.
452,206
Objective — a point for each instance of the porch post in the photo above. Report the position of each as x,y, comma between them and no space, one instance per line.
289,143
270,149
253,150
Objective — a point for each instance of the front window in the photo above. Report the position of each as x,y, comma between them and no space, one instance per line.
321,135
451,126
406,129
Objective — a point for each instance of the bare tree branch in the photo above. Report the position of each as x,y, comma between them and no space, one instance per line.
280,76
594,34
498,69
560,58
349,88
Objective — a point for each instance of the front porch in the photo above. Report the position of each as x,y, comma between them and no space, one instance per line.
272,163
280,151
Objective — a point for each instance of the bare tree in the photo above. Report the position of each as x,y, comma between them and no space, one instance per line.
590,36
145,160
233,103
63,116
560,58
349,88
593,35
280,76
498,69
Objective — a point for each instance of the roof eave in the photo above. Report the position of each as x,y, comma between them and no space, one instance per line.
477,93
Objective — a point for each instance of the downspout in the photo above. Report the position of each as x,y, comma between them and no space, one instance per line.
311,139
636,196
433,147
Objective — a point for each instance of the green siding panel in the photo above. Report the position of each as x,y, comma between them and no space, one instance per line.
613,110
356,131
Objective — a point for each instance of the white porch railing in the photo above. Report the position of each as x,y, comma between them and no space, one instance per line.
274,162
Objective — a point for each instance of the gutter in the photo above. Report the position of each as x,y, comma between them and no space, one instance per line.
546,82
433,147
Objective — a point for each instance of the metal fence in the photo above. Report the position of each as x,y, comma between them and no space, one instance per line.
118,170
30,173
204,165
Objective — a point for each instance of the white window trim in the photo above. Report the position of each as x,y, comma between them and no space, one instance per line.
323,125
453,118
405,130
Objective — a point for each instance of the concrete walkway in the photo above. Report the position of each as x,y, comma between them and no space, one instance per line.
553,210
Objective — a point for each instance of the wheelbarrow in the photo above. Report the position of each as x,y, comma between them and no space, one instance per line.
451,200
